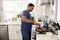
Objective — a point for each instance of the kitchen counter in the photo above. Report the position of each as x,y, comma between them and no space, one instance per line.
47,37
9,23
13,29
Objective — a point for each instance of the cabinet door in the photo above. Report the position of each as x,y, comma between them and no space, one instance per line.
14,32
4,32
58,10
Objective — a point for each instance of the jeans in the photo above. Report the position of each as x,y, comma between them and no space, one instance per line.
26,36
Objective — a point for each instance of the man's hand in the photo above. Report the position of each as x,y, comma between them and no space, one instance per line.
24,19
34,23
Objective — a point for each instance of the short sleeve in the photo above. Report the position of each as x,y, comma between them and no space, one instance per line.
24,13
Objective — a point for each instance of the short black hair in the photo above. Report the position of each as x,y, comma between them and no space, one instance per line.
30,4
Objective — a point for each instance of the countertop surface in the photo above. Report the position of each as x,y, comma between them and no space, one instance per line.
8,23
47,37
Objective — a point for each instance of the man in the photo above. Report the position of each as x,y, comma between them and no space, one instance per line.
27,22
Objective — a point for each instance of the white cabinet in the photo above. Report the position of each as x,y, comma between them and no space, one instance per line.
58,10
45,2
58,33
46,37
14,32
13,29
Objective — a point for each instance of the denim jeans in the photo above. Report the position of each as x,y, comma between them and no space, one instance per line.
26,36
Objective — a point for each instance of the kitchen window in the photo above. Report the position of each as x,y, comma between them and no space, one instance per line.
11,8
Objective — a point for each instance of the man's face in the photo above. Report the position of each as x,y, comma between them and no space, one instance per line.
30,8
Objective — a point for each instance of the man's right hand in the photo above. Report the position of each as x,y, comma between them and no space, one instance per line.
34,23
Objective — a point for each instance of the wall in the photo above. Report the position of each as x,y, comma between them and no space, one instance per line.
58,10
0,9
4,15
40,10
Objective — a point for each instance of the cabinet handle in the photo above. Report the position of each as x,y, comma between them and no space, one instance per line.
17,32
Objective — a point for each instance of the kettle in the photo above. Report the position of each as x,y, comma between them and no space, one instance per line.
45,25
